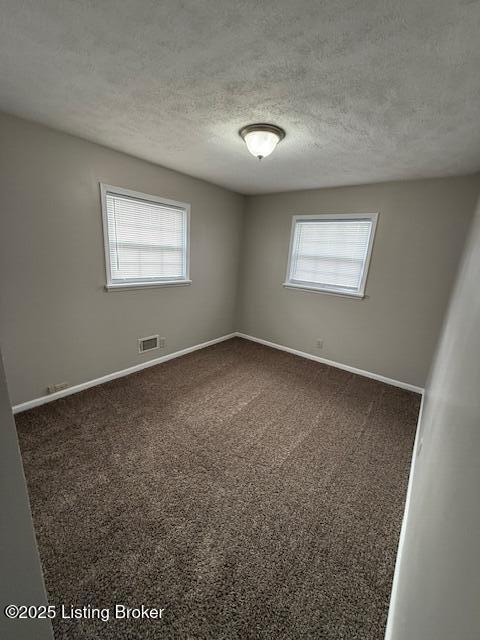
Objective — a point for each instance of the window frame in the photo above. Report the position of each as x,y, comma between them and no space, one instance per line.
151,282
338,291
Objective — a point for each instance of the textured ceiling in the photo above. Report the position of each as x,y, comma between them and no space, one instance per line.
367,90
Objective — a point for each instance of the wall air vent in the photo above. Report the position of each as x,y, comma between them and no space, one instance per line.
148,343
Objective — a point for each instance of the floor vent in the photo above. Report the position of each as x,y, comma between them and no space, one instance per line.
147,344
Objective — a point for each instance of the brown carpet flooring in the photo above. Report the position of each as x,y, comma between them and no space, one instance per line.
249,492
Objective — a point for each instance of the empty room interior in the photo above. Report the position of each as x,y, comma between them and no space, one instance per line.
240,320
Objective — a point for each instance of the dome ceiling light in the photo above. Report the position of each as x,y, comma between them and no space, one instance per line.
261,139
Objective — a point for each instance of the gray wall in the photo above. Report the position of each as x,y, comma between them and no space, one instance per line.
436,591
21,575
58,322
420,234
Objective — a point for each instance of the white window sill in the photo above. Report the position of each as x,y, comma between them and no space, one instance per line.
147,285
306,287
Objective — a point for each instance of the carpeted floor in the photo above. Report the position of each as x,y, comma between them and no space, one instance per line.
250,493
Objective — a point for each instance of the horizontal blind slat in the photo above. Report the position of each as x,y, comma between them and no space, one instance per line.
147,240
330,253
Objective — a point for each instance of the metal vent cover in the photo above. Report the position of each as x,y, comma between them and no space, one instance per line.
148,343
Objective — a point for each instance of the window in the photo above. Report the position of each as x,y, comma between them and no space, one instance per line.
146,239
331,253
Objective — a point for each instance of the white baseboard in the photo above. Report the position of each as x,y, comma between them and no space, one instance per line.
36,402
332,363
389,632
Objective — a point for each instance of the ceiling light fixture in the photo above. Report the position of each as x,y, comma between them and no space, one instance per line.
261,139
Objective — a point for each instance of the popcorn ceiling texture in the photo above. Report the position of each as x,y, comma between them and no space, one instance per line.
367,91
252,493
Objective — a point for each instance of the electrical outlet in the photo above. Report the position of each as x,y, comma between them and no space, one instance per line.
319,343
60,386
162,343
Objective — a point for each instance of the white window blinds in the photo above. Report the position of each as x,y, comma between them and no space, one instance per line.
147,240
331,253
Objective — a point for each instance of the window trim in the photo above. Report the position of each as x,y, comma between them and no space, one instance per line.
312,286
144,283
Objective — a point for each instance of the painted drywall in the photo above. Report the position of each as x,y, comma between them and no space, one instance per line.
436,591
421,231
22,578
58,323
